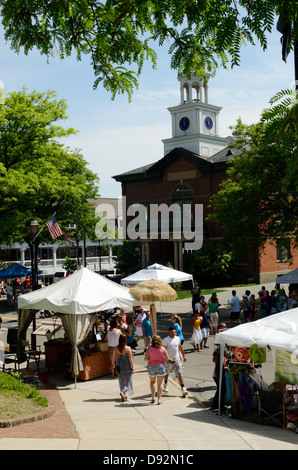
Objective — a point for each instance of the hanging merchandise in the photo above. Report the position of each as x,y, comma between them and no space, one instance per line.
257,354
241,354
229,388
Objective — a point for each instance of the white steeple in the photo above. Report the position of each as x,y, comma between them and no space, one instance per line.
194,120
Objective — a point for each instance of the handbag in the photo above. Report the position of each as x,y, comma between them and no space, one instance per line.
117,367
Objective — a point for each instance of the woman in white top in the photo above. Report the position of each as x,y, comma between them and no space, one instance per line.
139,330
112,337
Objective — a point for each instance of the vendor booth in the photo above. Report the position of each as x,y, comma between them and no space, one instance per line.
158,272
244,349
16,270
79,300
288,278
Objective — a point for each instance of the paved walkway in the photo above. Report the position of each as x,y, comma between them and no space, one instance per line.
100,421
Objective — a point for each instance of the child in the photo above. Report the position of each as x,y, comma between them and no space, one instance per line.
205,325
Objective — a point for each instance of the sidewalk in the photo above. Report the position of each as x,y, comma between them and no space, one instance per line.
103,422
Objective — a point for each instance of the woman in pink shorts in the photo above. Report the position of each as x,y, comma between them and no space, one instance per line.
156,355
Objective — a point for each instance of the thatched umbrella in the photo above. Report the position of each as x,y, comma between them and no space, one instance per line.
150,291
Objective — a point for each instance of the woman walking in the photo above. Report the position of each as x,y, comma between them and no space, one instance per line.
156,355
197,336
177,323
112,337
213,306
123,363
130,333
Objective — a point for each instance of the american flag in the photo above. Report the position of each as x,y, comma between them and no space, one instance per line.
53,228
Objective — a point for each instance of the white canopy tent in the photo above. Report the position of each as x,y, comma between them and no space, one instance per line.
158,272
288,278
279,331
76,299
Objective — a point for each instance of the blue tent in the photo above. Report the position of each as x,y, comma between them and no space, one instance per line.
15,270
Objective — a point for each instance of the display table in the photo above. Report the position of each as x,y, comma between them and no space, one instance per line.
58,354
95,365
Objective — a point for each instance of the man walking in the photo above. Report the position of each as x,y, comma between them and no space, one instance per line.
196,295
147,330
174,349
235,309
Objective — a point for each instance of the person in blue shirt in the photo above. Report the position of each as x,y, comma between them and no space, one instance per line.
235,309
147,331
177,323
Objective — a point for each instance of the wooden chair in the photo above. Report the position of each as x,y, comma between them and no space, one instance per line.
31,353
271,407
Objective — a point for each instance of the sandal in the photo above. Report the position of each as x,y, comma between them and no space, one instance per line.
122,396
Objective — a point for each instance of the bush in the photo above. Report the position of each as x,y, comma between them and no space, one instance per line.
12,382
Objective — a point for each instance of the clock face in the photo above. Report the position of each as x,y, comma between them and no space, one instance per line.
208,123
184,123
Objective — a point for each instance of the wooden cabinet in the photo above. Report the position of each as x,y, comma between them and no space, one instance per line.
95,365
58,354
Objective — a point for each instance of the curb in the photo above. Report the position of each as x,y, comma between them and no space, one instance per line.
41,415
28,419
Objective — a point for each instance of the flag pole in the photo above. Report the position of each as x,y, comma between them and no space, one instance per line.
42,228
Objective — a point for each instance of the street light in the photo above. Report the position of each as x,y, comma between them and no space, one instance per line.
78,238
32,228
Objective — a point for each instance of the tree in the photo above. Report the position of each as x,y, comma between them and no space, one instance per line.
213,264
38,175
202,34
258,200
70,265
127,258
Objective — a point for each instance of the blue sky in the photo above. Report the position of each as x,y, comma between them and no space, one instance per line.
118,136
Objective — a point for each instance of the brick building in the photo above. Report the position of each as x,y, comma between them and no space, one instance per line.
189,173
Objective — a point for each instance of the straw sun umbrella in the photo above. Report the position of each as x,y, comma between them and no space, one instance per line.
150,291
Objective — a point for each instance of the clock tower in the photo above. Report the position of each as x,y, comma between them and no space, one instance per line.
194,120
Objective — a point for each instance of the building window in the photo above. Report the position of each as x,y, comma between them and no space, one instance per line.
183,192
183,196
283,252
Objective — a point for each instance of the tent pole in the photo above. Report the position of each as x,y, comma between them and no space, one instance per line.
221,355
75,317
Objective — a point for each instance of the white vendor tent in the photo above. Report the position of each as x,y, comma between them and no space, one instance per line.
288,278
158,272
279,331
76,299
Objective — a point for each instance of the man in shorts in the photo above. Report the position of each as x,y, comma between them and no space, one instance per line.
235,309
147,330
174,349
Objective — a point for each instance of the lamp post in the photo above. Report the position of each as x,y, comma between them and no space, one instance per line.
32,228
78,238
99,252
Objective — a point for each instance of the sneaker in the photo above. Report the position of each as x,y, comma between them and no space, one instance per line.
184,392
165,388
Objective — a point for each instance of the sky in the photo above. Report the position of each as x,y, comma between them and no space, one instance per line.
117,136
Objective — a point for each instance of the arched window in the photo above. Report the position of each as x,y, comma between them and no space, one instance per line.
183,192
183,197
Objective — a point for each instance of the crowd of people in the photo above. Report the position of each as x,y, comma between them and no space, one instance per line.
252,306
264,304
165,356
162,356
12,290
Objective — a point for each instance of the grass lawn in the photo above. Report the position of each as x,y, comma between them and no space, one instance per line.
18,399
185,294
